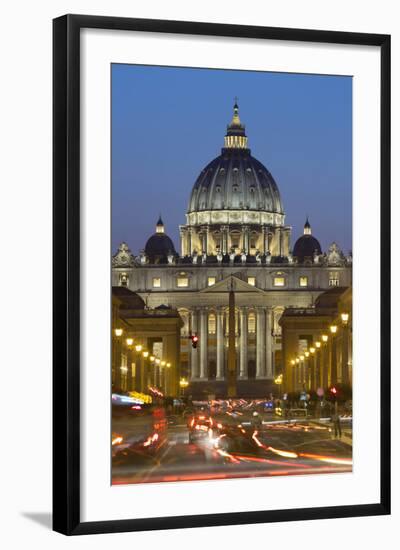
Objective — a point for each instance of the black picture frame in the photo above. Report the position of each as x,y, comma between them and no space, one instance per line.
66,271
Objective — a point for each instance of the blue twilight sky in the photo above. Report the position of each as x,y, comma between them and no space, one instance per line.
168,123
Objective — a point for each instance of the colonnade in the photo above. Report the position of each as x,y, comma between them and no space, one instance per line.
269,239
199,357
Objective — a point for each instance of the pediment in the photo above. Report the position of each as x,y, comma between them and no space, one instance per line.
226,284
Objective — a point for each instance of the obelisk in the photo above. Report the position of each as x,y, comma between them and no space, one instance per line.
231,343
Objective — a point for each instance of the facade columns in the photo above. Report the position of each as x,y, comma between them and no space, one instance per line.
245,238
268,344
204,235
189,240
264,239
220,344
203,343
260,356
243,343
194,367
182,234
224,239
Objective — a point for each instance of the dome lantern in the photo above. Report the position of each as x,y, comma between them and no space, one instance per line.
160,226
307,228
235,135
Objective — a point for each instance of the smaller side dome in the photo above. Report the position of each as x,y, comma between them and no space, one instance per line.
307,246
159,246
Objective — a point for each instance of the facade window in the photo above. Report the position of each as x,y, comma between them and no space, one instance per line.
212,324
251,281
211,281
123,279
251,322
303,281
182,282
333,279
279,281
156,282
235,241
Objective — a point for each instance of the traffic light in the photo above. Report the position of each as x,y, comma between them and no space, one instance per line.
333,391
194,338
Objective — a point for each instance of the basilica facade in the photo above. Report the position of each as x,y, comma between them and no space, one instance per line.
235,238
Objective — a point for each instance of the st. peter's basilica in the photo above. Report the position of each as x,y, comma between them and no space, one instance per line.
235,237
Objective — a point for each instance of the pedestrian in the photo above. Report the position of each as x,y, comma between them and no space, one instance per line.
336,424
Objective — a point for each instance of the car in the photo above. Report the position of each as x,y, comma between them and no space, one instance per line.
199,426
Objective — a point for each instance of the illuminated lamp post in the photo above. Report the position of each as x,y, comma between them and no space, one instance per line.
152,360
117,344
163,377
146,370
318,381
345,348
157,374
278,381
139,368
333,330
325,374
297,374
129,381
167,378
183,384
292,375
307,381
301,368
312,368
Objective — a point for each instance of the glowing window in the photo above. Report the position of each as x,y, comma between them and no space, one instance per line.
156,282
251,281
123,279
303,281
182,282
333,279
212,324
211,281
279,281
251,321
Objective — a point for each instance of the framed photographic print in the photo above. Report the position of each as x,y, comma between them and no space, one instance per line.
221,274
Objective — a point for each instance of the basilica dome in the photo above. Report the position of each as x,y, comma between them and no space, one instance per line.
306,246
159,246
235,180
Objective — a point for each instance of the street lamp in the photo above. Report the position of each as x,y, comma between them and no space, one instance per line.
183,383
118,332
333,329
138,348
278,381
324,338
129,341
345,348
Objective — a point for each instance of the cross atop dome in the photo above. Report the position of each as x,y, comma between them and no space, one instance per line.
235,135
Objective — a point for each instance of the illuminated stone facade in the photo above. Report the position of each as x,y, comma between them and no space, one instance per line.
235,231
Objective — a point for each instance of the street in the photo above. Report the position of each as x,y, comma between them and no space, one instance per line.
225,444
